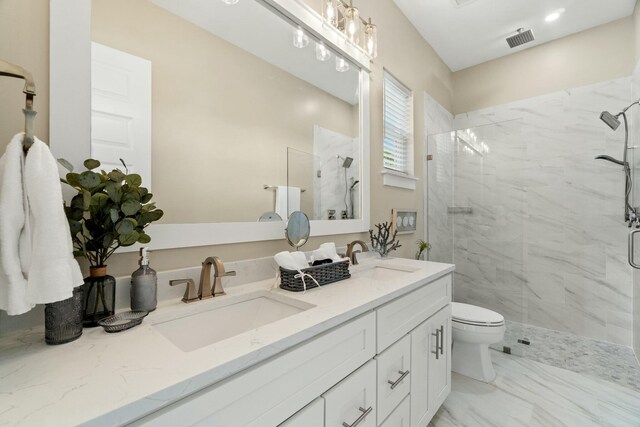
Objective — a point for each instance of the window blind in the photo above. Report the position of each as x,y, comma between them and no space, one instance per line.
397,124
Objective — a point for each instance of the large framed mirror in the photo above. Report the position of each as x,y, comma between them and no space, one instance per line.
207,101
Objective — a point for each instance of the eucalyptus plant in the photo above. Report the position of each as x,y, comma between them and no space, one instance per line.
110,210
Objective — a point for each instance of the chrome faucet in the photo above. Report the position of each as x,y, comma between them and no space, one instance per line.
351,254
219,273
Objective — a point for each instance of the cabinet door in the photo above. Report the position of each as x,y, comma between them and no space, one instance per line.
430,366
353,400
393,376
421,347
440,365
311,415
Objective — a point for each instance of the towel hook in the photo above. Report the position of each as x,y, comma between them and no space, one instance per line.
11,70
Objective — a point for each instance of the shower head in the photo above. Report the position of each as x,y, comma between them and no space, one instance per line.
346,161
611,120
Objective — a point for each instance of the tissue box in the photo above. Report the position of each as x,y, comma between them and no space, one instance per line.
324,274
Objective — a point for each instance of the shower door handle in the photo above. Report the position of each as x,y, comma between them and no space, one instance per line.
631,248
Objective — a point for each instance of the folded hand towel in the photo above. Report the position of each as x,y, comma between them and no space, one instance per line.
53,272
290,261
13,282
330,249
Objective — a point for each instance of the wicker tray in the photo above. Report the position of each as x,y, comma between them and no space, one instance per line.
324,274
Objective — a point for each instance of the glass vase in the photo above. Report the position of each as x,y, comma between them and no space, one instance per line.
63,319
99,296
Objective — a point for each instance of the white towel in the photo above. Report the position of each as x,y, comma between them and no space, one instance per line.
290,261
43,254
13,282
287,200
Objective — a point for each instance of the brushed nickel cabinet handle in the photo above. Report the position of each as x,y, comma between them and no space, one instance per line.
437,350
441,339
632,262
395,383
361,418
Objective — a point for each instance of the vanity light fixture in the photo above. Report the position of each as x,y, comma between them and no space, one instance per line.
342,65
554,15
300,39
230,1
322,53
346,18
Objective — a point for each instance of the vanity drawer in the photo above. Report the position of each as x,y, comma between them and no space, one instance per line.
268,394
400,316
311,415
353,399
400,417
393,376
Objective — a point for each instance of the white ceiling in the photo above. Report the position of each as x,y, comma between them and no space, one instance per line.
475,32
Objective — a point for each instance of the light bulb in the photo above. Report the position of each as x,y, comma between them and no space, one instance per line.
330,12
300,39
342,65
352,24
322,53
371,39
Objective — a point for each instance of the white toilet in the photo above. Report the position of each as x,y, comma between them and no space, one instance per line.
474,329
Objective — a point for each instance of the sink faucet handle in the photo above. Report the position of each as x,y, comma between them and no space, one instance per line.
190,294
229,273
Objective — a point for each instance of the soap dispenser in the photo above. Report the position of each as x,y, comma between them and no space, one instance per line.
144,285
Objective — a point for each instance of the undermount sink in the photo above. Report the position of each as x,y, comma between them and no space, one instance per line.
383,273
231,317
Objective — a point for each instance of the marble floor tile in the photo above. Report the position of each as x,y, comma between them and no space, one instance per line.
529,393
603,360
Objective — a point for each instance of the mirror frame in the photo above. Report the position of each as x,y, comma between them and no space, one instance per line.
70,121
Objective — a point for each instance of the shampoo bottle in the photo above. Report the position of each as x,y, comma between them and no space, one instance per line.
144,285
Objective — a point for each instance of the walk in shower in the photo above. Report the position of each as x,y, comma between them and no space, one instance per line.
535,225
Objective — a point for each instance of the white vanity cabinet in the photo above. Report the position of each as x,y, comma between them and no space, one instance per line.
430,366
389,367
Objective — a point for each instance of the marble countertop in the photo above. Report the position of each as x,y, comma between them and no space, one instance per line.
112,379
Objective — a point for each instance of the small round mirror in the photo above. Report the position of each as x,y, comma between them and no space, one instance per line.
297,229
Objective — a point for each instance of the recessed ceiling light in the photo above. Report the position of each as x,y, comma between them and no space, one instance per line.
554,15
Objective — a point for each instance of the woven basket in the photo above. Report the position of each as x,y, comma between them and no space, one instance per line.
324,274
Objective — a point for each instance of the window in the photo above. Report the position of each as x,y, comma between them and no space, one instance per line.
398,126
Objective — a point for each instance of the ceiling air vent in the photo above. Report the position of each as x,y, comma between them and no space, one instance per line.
520,38
460,3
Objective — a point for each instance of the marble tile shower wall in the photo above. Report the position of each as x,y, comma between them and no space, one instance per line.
546,243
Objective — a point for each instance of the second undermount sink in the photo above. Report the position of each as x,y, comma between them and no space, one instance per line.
231,317
384,273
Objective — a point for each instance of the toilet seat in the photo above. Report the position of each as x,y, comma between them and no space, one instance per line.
472,315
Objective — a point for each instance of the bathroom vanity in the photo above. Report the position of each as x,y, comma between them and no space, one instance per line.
373,350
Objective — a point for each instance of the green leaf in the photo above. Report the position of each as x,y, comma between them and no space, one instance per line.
113,213
75,227
151,216
130,207
77,254
91,164
89,180
134,180
86,200
73,179
146,198
107,240
77,202
99,200
126,226
116,175
144,238
66,164
113,190
129,239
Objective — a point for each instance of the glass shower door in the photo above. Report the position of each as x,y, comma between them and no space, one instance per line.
476,217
